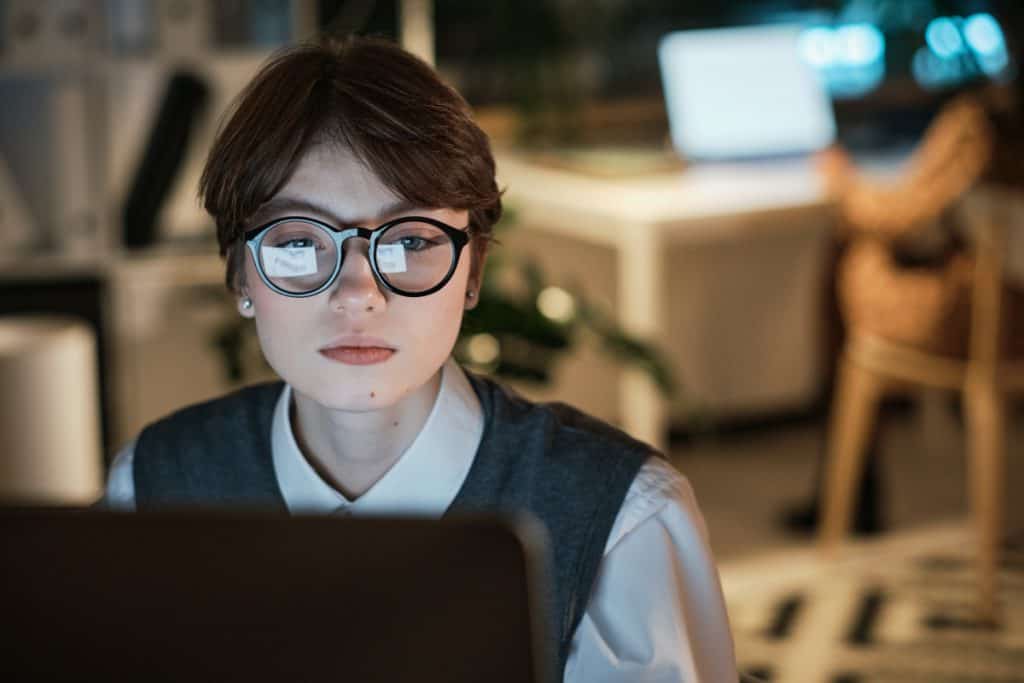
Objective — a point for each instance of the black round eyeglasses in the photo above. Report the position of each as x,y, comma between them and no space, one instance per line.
411,256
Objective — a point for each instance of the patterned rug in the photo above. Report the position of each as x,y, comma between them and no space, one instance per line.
887,611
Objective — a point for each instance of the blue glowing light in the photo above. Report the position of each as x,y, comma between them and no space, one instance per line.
818,47
943,37
850,58
984,34
994,64
933,71
860,44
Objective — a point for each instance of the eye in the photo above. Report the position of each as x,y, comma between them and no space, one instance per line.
293,241
413,243
298,243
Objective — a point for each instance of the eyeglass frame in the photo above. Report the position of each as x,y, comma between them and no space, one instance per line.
254,238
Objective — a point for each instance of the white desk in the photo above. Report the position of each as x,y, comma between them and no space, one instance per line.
642,217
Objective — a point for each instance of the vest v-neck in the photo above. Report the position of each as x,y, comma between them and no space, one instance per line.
424,480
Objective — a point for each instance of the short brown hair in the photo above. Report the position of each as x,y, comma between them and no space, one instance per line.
387,106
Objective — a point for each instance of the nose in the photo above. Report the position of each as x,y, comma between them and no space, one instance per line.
356,290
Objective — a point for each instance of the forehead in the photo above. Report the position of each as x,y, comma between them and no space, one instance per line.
332,178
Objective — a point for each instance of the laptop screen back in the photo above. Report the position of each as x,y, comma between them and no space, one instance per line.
99,596
742,93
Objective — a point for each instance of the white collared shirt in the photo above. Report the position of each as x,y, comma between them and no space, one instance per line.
656,613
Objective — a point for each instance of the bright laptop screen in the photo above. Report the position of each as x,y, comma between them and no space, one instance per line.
742,93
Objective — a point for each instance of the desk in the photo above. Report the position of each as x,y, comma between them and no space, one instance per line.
641,218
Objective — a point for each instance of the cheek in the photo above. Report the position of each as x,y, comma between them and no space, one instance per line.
279,320
436,324
438,317
276,325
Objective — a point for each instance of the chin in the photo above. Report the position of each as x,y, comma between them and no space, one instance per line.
350,395
348,388
348,401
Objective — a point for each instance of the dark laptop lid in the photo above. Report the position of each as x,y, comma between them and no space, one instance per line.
91,595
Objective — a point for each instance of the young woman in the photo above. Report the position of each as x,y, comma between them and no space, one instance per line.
354,198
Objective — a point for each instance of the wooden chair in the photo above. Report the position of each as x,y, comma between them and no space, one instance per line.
870,365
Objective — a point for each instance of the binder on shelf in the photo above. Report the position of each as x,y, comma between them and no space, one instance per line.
181,108
183,28
243,25
45,140
131,27
17,228
39,34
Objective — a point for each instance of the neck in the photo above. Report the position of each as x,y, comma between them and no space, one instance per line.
353,451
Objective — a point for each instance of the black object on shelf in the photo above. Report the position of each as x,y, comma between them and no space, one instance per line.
183,104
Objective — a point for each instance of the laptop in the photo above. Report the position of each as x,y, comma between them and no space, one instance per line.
737,99
97,595
743,93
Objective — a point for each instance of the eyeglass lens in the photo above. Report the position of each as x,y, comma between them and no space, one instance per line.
412,256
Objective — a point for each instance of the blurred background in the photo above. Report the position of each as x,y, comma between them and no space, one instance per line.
781,240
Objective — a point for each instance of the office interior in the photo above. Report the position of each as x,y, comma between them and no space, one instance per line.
695,249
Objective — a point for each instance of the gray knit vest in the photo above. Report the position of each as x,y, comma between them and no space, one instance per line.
567,469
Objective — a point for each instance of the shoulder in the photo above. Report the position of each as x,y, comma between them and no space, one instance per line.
246,398
201,431
223,413
211,453
558,459
659,493
120,490
557,426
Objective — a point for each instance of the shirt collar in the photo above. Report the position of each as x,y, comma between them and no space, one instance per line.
423,482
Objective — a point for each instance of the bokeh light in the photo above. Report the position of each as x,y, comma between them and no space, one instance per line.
557,304
818,47
483,348
985,38
957,49
860,44
934,72
850,58
943,37
984,34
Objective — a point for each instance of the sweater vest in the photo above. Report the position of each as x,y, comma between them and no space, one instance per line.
568,470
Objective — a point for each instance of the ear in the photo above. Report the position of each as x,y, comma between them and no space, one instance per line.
476,273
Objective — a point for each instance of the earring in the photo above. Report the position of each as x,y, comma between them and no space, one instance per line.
470,294
247,303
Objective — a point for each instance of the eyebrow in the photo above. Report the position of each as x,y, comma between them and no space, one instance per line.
284,205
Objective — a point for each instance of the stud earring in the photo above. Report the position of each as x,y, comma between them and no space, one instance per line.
470,294
247,303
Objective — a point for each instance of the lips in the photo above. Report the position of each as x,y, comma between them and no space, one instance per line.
358,350
358,355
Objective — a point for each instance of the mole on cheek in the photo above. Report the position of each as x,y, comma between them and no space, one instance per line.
396,424
373,394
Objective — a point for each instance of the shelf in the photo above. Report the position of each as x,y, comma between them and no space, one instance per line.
195,261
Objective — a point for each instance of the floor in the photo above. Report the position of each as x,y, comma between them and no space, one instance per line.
747,481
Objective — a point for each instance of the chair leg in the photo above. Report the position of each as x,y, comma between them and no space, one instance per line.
986,471
853,414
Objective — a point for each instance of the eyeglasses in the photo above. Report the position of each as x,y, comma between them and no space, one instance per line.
411,256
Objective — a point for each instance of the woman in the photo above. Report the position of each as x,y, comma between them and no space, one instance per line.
354,199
